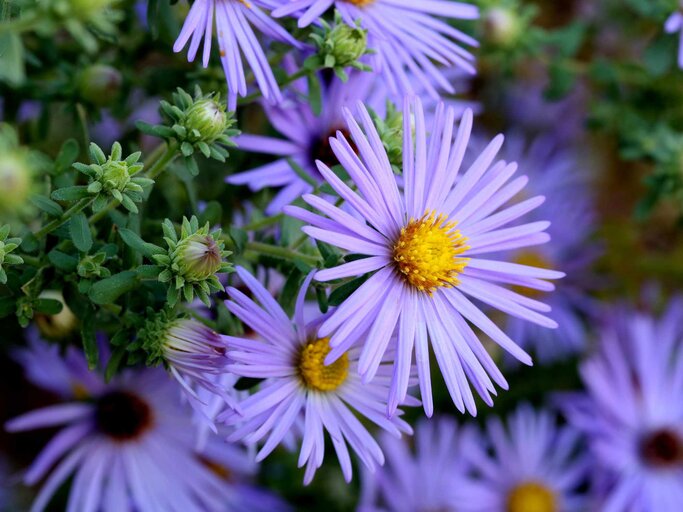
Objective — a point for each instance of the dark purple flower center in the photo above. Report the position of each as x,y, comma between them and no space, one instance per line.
662,448
122,415
322,150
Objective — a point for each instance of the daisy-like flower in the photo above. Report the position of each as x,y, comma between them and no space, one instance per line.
300,393
425,251
410,38
673,25
555,174
430,477
307,135
129,445
632,414
236,37
532,465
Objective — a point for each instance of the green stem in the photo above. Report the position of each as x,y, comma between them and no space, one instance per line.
154,155
77,207
19,25
281,252
96,217
257,94
169,155
31,260
264,223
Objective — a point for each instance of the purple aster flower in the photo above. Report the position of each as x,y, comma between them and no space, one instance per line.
129,444
300,392
430,477
556,175
235,37
632,414
425,249
307,135
674,24
532,465
409,37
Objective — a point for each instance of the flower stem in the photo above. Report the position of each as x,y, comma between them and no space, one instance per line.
264,223
281,252
158,167
51,226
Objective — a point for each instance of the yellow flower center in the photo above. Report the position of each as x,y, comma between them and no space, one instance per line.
427,252
314,373
531,258
531,497
360,3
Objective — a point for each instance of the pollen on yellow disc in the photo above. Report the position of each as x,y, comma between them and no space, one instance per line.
427,252
532,497
314,374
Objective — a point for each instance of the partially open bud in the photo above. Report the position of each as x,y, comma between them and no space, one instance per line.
502,26
15,183
208,119
199,257
346,44
100,84
56,326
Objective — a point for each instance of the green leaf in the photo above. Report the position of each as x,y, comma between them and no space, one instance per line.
108,290
290,291
47,306
79,229
340,294
114,363
47,205
12,67
133,240
149,271
239,237
90,339
314,93
67,156
70,193
62,261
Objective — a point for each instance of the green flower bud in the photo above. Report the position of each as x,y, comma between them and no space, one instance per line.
115,175
346,44
199,257
100,84
208,118
56,326
502,26
15,183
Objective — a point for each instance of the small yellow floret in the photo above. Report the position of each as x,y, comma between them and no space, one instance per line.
427,252
313,372
531,497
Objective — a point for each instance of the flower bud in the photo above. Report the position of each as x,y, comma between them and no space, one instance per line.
115,175
502,26
199,257
208,118
346,44
15,183
56,326
100,84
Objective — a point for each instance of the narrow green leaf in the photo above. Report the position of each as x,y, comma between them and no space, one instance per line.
108,290
47,306
70,193
133,240
67,156
340,294
62,261
90,339
47,205
79,229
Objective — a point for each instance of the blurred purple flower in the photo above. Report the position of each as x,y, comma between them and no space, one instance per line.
632,413
674,24
235,37
423,267
129,444
408,36
556,174
300,393
532,465
430,477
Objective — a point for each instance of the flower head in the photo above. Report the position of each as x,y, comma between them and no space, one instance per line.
192,261
301,393
236,37
631,413
424,252
113,178
127,444
429,477
407,36
530,465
